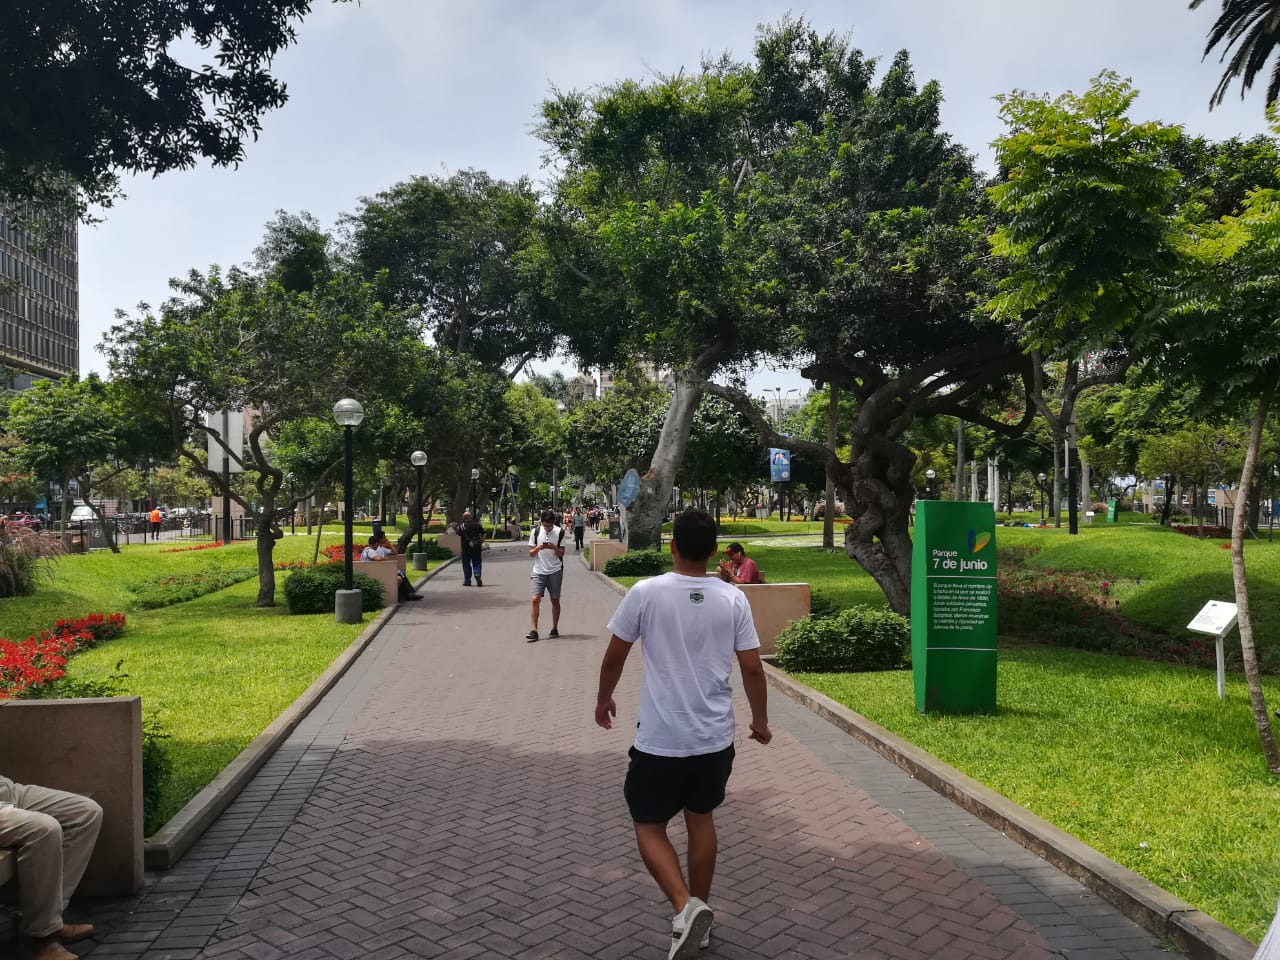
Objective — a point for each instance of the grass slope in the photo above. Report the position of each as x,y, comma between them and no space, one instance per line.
216,670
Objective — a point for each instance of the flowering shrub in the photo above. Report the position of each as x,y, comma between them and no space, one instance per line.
198,546
335,551
27,665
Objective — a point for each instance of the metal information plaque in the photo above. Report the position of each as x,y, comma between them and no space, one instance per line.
953,607
1216,618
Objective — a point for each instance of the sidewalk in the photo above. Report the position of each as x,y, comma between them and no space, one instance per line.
451,797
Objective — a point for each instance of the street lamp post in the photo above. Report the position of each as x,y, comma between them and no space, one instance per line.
419,460
475,475
929,477
348,413
1040,477
533,506
493,505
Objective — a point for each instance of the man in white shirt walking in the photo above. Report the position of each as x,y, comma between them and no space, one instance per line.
546,547
693,626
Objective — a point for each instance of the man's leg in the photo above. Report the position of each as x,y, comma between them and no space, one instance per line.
475,569
555,613
702,853
660,858
466,569
534,602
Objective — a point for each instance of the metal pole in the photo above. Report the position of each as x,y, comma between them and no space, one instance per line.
348,508
829,512
419,513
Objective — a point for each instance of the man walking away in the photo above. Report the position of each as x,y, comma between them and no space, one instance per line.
693,626
579,527
472,533
157,523
546,547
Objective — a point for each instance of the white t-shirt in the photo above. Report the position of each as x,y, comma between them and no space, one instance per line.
374,553
546,561
692,627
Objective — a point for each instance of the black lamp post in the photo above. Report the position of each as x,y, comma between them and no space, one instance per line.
348,413
1040,477
419,461
929,477
533,506
493,504
475,475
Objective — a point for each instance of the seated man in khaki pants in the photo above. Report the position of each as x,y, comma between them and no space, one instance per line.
53,834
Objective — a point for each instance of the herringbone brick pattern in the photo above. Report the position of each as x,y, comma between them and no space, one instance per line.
474,810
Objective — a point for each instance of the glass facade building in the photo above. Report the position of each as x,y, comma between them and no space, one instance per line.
39,302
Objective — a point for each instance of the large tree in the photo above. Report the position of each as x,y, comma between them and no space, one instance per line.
80,430
867,233
126,102
241,342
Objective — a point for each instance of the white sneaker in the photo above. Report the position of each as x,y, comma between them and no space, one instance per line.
690,930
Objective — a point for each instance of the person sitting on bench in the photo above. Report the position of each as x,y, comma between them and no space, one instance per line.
53,833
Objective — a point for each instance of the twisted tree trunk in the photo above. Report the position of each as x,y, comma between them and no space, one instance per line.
644,518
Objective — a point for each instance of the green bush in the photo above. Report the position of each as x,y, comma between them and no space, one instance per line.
432,549
858,639
634,563
179,588
821,606
311,589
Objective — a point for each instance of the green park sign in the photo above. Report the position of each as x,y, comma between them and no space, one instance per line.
953,607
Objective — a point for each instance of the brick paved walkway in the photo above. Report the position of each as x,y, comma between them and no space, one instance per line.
452,798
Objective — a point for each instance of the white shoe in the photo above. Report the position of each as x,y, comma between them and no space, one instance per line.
690,930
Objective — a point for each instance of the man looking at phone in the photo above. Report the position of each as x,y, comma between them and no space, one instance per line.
546,547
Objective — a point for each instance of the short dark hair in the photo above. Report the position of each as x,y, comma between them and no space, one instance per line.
373,539
734,547
694,534
548,516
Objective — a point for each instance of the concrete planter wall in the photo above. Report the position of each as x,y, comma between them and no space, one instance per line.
602,551
451,542
91,747
773,606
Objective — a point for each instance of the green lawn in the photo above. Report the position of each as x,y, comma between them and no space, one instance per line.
1138,759
216,670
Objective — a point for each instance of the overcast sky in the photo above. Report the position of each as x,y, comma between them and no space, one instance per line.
387,89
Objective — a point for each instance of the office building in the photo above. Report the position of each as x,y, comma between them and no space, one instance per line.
39,302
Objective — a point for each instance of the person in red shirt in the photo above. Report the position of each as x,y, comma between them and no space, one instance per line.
738,567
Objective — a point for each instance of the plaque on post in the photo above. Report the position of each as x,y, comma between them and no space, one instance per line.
953,607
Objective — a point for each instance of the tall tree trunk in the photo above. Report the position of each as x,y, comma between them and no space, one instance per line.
644,518
1055,506
265,537
66,512
1257,699
829,514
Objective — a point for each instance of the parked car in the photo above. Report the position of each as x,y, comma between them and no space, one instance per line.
25,520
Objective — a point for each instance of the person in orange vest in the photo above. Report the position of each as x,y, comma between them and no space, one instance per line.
157,521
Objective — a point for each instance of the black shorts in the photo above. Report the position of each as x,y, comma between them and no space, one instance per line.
657,788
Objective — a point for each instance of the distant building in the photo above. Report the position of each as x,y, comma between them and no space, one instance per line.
39,302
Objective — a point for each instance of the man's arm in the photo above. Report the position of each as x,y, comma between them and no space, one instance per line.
753,682
615,658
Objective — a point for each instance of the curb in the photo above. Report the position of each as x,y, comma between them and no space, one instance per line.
1194,933
163,849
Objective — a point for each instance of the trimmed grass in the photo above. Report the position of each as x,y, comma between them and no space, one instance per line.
1140,760
216,670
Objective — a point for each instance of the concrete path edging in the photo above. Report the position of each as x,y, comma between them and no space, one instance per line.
1194,933
163,849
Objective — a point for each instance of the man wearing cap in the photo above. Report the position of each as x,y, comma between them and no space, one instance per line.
738,567
546,548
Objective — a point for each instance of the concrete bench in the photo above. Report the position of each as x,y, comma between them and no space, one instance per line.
602,551
451,542
385,572
92,747
773,606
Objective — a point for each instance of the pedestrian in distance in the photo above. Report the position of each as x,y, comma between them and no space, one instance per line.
472,533
694,626
546,547
157,523
579,528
